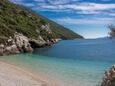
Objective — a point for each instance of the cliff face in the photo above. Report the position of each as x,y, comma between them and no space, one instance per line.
109,77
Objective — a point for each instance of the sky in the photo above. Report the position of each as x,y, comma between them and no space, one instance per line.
89,18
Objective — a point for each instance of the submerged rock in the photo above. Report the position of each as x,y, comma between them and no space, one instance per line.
109,77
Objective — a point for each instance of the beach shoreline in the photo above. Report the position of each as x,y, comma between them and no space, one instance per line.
12,75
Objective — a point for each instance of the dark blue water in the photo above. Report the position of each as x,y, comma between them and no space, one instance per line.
91,49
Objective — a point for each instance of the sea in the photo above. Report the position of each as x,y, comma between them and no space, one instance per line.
80,62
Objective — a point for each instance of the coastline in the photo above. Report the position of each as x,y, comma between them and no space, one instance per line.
22,44
12,75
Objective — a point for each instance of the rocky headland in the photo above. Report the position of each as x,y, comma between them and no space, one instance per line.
22,30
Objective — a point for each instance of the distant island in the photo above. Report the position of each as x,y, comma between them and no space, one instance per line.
22,30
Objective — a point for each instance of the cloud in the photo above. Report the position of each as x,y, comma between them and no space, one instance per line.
112,14
56,2
88,12
83,21
69,7
81,6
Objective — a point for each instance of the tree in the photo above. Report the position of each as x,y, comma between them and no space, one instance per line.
112,30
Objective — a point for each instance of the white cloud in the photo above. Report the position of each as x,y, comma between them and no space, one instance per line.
112,14
88,12
57,2
82,6
84,21
65,6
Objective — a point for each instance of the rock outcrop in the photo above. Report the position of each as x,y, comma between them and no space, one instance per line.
19,43
22,44
39,42
109,77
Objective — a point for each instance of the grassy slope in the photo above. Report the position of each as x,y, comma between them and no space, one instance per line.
14,18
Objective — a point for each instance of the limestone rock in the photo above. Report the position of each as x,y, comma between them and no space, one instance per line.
46,27
22,43
19,43
36,43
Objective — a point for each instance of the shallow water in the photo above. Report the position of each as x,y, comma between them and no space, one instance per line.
72,63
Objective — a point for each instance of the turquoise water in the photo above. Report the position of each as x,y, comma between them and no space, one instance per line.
72,63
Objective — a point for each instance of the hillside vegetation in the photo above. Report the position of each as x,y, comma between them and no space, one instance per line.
15,18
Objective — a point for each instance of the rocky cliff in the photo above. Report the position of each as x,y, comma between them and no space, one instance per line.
109,77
